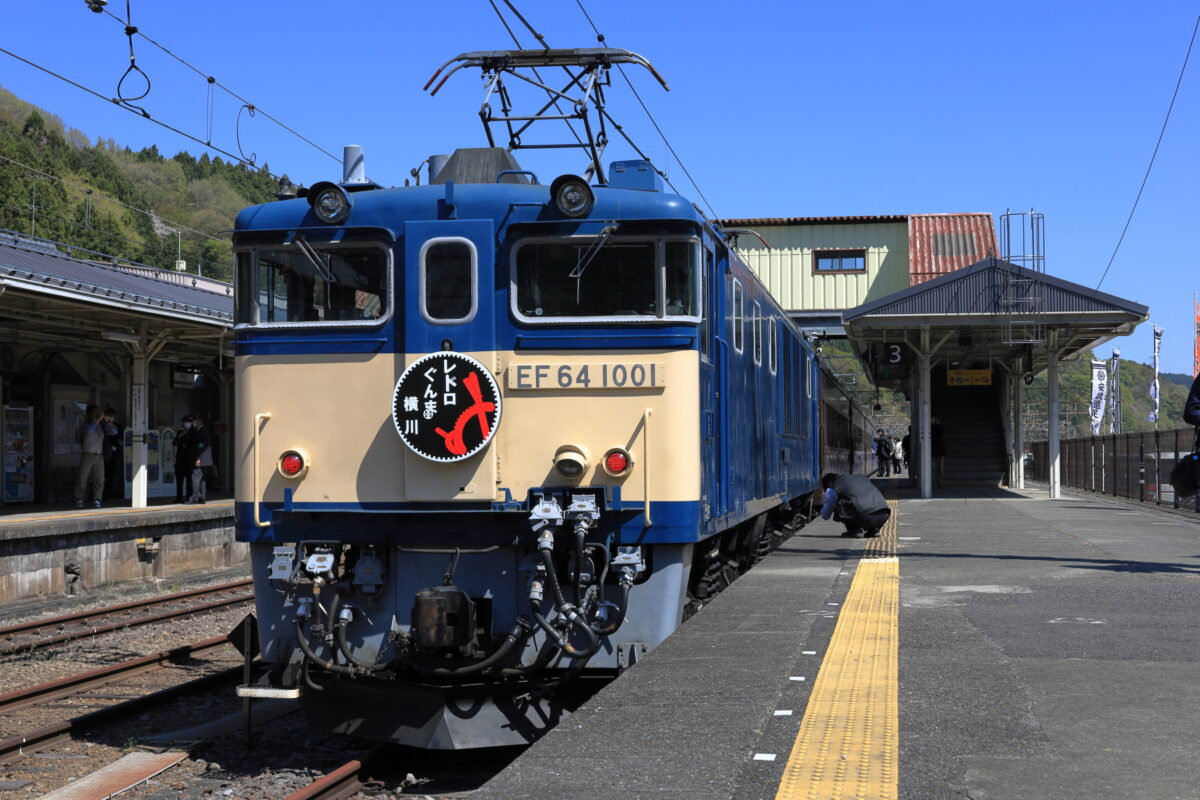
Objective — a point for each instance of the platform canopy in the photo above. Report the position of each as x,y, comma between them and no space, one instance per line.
993,322
58,298
995,312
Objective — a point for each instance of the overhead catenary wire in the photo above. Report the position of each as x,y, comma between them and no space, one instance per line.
1146,177
600,38
541,39
212,81
143,113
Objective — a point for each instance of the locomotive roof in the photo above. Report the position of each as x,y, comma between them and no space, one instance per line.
389,209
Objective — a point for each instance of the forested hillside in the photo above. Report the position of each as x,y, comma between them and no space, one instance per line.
202,194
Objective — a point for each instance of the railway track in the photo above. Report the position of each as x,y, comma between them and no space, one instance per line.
15,747
29,636
344,782
85,681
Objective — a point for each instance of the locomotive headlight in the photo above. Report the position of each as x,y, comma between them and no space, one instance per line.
571,461
617,462
572,196
329,202
293,464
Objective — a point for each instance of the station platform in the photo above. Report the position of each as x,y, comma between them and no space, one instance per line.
990,644
55,550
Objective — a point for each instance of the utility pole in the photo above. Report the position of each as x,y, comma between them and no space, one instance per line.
33,211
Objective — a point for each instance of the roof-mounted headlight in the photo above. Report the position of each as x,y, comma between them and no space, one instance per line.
329,202
572,196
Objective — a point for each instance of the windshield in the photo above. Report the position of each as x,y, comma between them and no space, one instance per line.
590,279
302,284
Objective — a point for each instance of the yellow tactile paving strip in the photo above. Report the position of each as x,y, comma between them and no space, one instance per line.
849,739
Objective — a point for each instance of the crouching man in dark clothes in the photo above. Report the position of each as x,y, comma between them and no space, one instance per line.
854,500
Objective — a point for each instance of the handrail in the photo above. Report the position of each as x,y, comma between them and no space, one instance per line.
646,460
258,419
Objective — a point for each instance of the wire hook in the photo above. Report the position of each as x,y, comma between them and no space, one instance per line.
237,131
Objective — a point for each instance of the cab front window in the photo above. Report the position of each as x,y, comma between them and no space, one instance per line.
606,279
306,284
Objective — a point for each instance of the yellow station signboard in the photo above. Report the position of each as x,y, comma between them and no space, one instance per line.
968,377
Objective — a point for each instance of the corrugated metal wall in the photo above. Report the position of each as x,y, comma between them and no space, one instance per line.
787,268
941,243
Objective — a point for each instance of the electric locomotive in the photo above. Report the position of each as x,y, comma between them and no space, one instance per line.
496,439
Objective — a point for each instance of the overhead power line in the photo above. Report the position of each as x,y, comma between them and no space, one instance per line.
1153,155
139,112
132,31
663,136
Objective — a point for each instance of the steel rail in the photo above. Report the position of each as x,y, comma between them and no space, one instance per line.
15,747
100,613
59,622
343,782
84,681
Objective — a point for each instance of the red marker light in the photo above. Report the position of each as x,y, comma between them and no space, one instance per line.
616,462
291,465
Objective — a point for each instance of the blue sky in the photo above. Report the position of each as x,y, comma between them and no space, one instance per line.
776,108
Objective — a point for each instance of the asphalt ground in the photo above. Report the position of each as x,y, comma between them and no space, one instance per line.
1046,649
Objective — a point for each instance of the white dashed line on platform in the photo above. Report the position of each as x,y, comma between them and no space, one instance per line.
783,713
764,756
808,652
796,678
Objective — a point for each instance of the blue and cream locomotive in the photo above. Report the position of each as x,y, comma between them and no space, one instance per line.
496,438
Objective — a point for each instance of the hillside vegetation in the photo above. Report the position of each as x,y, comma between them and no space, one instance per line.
200,193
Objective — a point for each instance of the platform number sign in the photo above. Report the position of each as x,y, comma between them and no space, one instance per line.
889,361
446,406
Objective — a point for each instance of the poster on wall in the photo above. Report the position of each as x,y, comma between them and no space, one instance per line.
68,421
160,463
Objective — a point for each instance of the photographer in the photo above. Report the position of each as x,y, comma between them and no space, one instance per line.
91,458
854,500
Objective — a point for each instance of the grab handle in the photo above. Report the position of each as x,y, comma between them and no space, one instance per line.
258,420
646,460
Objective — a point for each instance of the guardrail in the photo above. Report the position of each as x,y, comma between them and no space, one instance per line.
1136,465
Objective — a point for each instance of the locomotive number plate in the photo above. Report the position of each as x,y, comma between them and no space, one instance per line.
640,375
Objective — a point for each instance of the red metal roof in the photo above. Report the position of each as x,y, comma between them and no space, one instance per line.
942,243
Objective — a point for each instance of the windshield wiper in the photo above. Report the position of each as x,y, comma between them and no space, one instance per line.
587,256
314,258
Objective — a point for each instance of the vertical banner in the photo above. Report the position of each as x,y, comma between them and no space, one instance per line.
1196,344
1099,394
1114,392
1158,332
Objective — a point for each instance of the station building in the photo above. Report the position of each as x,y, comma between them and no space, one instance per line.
932,311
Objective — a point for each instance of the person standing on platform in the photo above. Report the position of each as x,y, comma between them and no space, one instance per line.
91,459
185,458
203,460
854,501
114,457
937,450
897,454
881,446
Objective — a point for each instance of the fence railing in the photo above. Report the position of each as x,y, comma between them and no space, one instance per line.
1136,466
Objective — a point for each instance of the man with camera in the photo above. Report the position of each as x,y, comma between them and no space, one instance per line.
96,427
